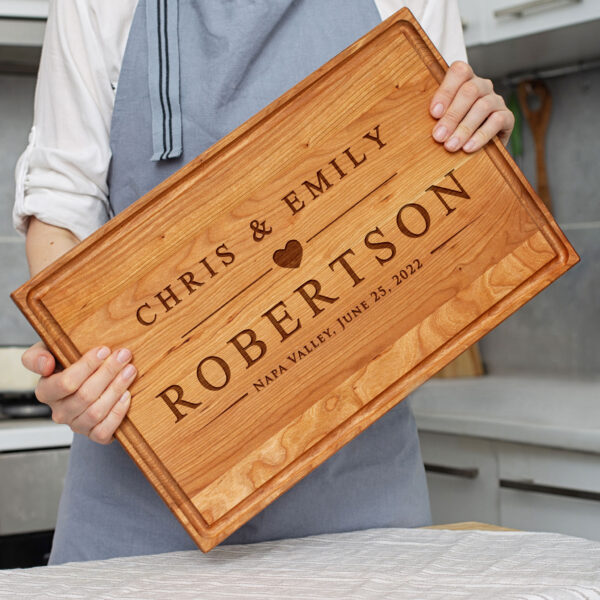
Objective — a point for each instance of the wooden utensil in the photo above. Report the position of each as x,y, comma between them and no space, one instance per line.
294,282
538,117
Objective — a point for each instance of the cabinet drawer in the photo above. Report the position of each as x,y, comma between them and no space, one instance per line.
542,489
506,19
534,511
562,469
462,478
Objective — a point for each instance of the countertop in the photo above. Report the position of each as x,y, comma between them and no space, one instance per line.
546,411
554,412
33,434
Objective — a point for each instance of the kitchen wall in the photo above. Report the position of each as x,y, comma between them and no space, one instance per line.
16,113
558,332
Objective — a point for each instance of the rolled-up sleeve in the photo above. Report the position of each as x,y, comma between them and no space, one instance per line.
61,177
440,20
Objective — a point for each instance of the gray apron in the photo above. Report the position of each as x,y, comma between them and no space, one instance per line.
235,56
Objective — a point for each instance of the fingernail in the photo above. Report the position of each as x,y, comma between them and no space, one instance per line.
438,110
452,143
124,399
124,355
469,145
128,371
41,363
103,353
440,133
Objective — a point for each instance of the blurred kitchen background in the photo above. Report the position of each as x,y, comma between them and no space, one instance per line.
518,446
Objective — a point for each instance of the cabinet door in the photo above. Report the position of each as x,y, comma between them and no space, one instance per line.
22,22
30,488
472,13
462,478
543,489
504,19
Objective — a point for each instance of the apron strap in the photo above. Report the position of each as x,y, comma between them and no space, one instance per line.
163,78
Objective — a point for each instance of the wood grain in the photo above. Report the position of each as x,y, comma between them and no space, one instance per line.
538,119
290,285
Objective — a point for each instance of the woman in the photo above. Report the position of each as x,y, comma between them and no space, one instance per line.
188,72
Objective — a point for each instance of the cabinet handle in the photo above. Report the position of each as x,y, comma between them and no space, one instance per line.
468,473
526,8
22,18
530,486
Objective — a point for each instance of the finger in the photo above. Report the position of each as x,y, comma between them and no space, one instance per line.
91,389
507,126
94,386
67,382
104,431
458,73
477,115
498,123
98,410
465,98
38,359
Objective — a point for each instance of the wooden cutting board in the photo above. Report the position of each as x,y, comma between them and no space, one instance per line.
298,279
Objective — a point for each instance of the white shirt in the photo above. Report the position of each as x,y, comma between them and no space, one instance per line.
61,177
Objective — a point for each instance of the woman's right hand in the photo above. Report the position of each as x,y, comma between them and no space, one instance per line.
91,395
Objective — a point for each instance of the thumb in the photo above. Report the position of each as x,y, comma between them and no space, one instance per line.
38,359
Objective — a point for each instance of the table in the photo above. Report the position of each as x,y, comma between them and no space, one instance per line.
462,561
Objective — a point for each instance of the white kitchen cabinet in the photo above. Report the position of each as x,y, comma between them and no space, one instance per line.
496,20
24,9
519,486
462,478
22,22
550,467
472,16
505,19
531,511
22,32
543,489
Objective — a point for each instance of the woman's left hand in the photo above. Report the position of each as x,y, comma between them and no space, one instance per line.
470,113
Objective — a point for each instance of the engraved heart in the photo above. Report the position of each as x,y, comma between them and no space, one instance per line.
290,256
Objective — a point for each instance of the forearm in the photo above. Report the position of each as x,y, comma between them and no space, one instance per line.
45,243
90,395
